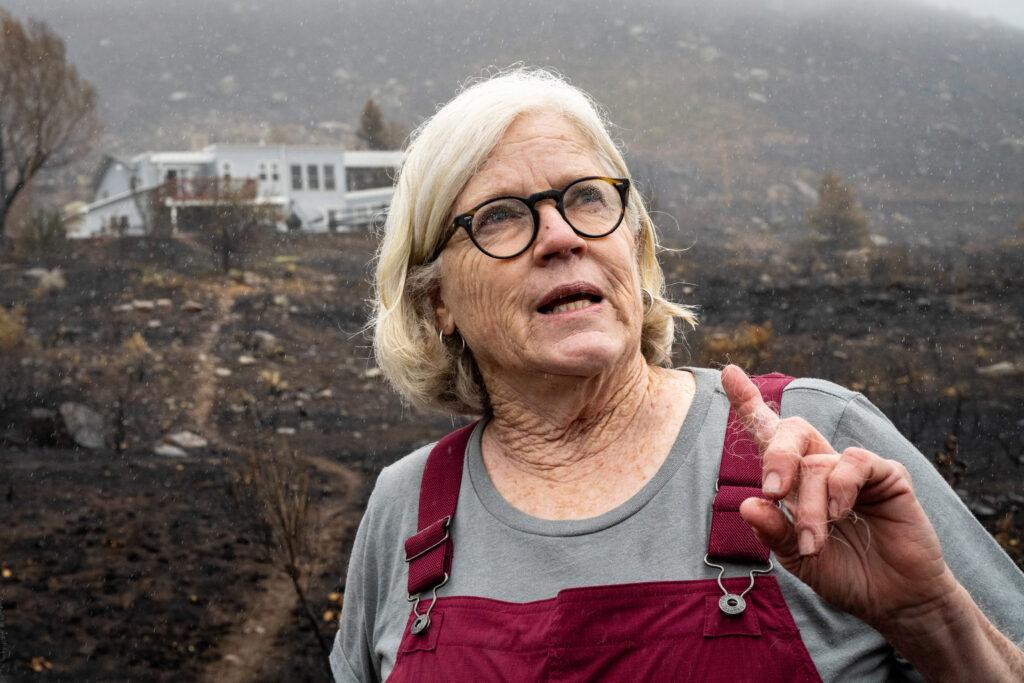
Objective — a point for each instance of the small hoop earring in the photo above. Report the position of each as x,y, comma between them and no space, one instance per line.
440,336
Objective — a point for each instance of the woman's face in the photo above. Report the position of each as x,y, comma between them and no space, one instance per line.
508,310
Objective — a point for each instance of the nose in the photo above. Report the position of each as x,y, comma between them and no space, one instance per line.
555,237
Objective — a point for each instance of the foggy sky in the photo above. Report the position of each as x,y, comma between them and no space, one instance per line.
1009,11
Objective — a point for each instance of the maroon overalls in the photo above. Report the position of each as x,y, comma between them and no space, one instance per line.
702,630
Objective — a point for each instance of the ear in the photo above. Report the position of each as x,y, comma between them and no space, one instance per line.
443,317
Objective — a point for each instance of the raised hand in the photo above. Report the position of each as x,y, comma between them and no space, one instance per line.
858,535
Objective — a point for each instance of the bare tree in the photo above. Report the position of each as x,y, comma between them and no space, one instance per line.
47,112
274,492
234,220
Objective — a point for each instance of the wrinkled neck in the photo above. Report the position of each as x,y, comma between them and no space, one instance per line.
562,428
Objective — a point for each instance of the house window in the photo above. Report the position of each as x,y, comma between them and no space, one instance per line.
296,177
274,175
329,177
313,176
263,172
226,170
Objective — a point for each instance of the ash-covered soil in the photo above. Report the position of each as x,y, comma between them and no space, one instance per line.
143,558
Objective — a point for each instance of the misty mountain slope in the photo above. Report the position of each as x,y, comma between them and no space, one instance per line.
902,98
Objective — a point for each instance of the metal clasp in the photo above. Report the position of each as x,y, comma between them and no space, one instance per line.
422,621
730,603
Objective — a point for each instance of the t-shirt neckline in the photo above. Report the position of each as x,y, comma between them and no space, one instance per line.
681,451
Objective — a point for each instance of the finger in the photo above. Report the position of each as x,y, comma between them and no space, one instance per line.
772,528
846,480
758,419
864,477
780,464
812,507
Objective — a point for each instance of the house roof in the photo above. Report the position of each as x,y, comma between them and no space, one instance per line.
373,159
101,171
181,158
250,146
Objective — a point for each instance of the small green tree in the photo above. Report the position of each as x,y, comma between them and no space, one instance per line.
373,131
837,218
42,236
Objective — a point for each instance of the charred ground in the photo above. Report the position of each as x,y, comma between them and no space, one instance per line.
117,562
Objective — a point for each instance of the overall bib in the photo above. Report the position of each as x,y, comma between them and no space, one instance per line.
703,630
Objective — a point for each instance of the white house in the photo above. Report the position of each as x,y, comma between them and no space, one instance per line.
306,185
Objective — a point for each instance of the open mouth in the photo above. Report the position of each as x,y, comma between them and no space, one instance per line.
562,302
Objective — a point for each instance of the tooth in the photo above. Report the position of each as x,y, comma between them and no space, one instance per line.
572,306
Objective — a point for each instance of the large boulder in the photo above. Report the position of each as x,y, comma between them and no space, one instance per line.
83,424
187,439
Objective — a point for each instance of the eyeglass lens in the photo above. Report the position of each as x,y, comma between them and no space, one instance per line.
504,227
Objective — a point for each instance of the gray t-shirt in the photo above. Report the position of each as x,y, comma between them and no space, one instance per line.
660,534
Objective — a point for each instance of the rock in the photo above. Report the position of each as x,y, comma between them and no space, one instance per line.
143,305
83,424
154,323
163,303
286,431
982,510
371,373
122,308
252,279
36,273
1004,369
267,342
246,360
222,372
169,451
191,306
280,300
186,439
326,393
52,281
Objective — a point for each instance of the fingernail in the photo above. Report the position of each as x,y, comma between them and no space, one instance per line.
772,484
833,509
806,542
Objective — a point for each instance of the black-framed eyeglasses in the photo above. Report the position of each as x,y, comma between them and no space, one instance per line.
505,227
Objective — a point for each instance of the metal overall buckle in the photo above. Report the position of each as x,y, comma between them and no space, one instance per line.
730,603
422,621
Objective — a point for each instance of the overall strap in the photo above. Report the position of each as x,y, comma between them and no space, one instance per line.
739,478
429,551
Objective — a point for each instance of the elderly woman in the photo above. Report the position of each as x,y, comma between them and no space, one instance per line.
610,518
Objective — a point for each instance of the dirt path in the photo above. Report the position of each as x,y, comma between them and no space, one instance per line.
206,377
247,648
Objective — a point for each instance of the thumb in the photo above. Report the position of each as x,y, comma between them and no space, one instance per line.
772,528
